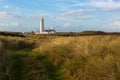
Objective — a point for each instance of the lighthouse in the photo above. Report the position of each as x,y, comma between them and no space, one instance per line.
45,31
42,25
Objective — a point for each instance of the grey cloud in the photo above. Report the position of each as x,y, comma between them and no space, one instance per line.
67,25
11,24
4,14
77,12
107,5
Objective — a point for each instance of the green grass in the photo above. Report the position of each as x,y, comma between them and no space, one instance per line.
46,57
28,66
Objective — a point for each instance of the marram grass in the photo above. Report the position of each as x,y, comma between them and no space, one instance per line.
85,58
62,58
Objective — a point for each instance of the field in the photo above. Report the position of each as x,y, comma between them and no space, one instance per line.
52,57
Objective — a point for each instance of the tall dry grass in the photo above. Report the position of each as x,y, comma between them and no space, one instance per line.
85,57
73,58
18,62
16,42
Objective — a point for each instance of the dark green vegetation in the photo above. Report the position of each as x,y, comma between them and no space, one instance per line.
18,61
17,34
53,57
86,33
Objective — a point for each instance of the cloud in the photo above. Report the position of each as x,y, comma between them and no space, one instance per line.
12,24
67,25
64,7
115,26
6,6
78,12
15,24
4,14
103,4
116,17
17,8
37,16
12,8
3,25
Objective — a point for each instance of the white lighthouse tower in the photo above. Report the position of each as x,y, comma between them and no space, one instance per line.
42,25
45,31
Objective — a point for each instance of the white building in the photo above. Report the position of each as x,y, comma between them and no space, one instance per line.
42,30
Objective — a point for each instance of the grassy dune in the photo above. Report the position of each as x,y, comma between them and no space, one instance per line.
45,57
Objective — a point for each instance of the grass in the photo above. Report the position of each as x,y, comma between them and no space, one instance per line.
46,57
85,58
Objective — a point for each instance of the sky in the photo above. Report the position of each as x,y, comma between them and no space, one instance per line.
61,15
